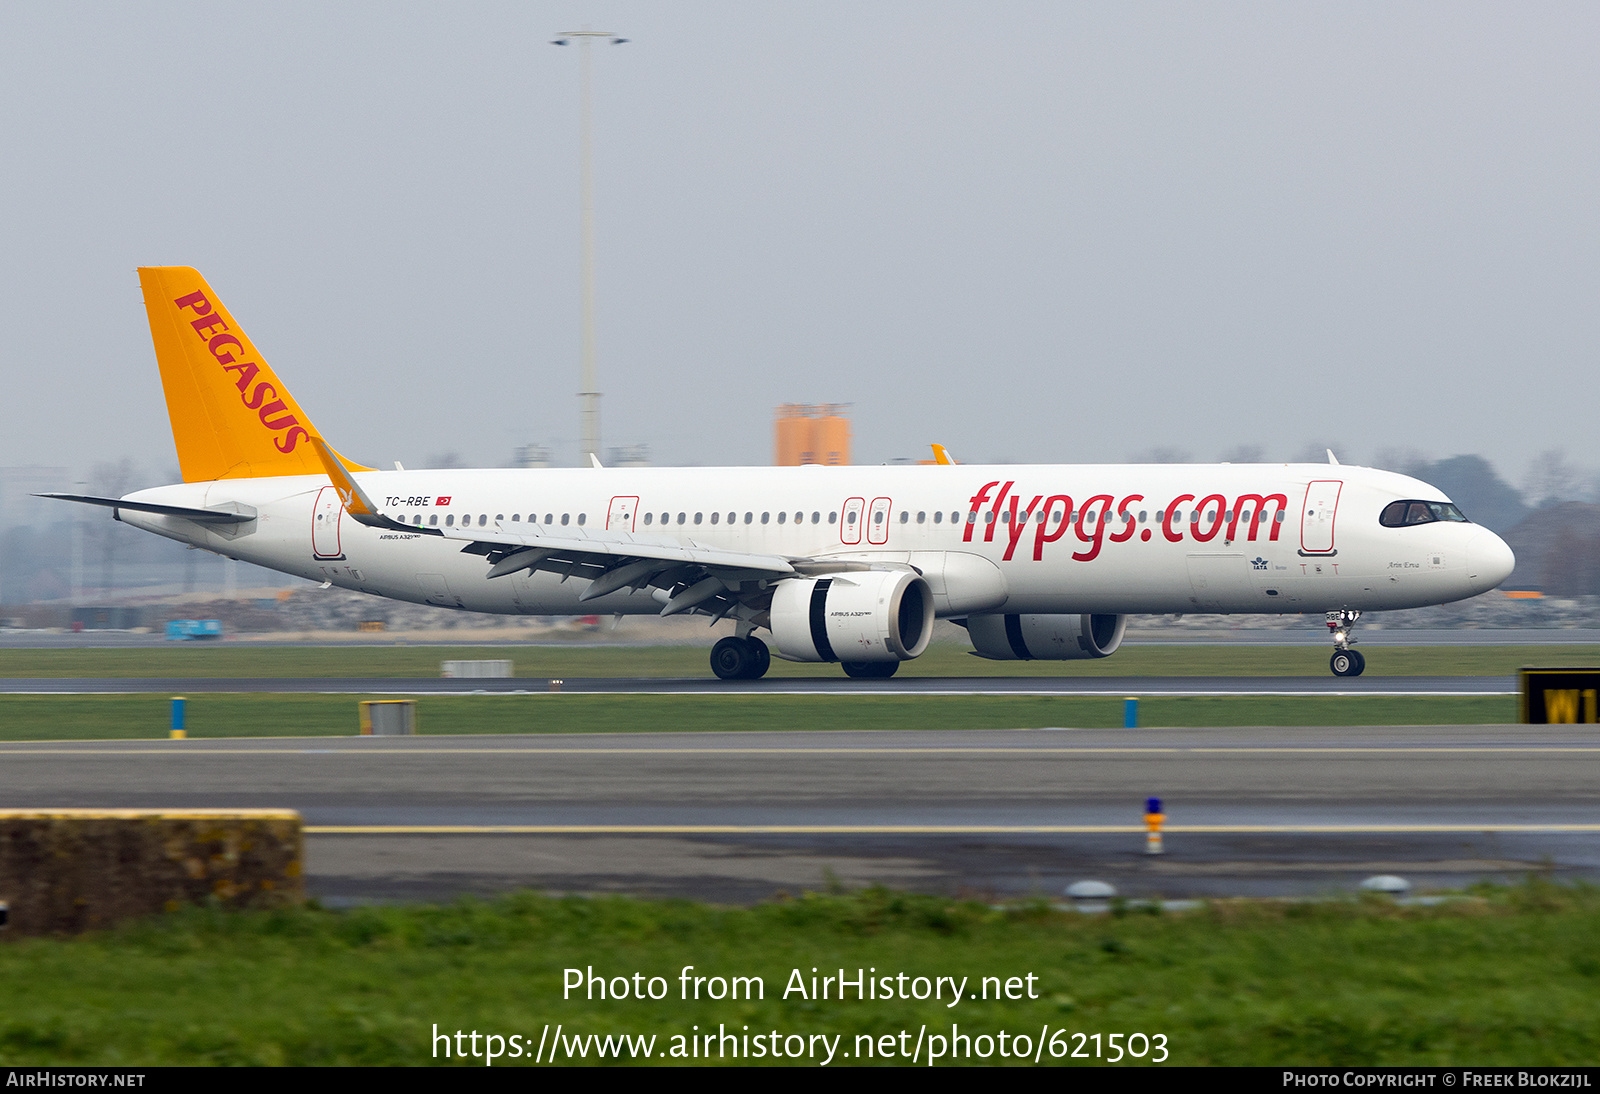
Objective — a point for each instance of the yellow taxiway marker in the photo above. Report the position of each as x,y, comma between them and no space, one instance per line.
899,829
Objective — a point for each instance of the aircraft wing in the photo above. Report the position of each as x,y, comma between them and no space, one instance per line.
692,576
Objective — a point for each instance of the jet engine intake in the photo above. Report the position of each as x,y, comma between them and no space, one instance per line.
1046,637
876,615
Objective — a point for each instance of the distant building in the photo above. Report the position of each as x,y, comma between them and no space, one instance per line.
812,434
531,455
628,455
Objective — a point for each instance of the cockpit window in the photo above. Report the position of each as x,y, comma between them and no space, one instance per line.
1399,514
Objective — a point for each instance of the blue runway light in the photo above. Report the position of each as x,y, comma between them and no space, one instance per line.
1130,714
1152,805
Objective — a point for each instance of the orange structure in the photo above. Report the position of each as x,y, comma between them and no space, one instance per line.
812,434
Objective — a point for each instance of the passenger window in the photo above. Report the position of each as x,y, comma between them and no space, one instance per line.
498,517
816,518
582,517
749,517
850,517
765,517
972,517
516,518
483,518
649,518
433,520
714,517
877,518
733,518
799,518
938,517
904,516
922,517
697,518
988,518
782,518
683,518
565,517
833,517
1142,515
449,521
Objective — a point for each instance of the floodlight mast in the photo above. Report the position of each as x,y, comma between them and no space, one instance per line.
589,396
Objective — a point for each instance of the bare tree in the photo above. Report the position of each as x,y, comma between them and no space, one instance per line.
1314,452
445,460
1552,478
1407,461
110,480
1162,454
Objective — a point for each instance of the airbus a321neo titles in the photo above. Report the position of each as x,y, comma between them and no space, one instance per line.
845,564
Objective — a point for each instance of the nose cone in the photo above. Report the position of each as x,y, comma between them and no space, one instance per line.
1489,561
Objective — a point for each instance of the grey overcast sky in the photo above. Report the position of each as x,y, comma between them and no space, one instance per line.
1055,232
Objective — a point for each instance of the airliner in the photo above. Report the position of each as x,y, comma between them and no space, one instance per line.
843,564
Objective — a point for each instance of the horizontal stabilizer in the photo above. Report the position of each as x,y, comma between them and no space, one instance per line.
239,514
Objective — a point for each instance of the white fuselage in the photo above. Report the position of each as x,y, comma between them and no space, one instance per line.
1202,538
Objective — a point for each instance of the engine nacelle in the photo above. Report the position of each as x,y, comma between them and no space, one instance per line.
870,615
1046,637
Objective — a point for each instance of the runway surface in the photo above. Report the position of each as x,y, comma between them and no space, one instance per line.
1309,633
842,685
737,817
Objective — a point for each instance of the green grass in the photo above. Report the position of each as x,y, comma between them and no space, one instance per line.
942,660
127,717
1509,978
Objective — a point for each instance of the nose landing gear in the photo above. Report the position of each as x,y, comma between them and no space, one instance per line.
1345,661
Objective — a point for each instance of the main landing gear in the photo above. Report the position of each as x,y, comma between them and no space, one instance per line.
1345,661
869,670
740,658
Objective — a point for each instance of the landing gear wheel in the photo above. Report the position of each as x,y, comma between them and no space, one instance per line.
1347,663
869,670
732,659
740,658
760,660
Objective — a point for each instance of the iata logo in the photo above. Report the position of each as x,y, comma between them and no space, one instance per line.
213,332
1091,521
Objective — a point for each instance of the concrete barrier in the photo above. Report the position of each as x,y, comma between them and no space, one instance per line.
71,870
475,670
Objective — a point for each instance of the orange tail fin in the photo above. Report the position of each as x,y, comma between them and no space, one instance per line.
232,418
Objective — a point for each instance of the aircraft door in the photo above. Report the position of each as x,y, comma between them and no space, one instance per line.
325,515
622,515
850,520
1317,516
878,521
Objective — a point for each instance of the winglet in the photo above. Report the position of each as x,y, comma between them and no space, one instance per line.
355,499
356,502
941,455
1332,458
